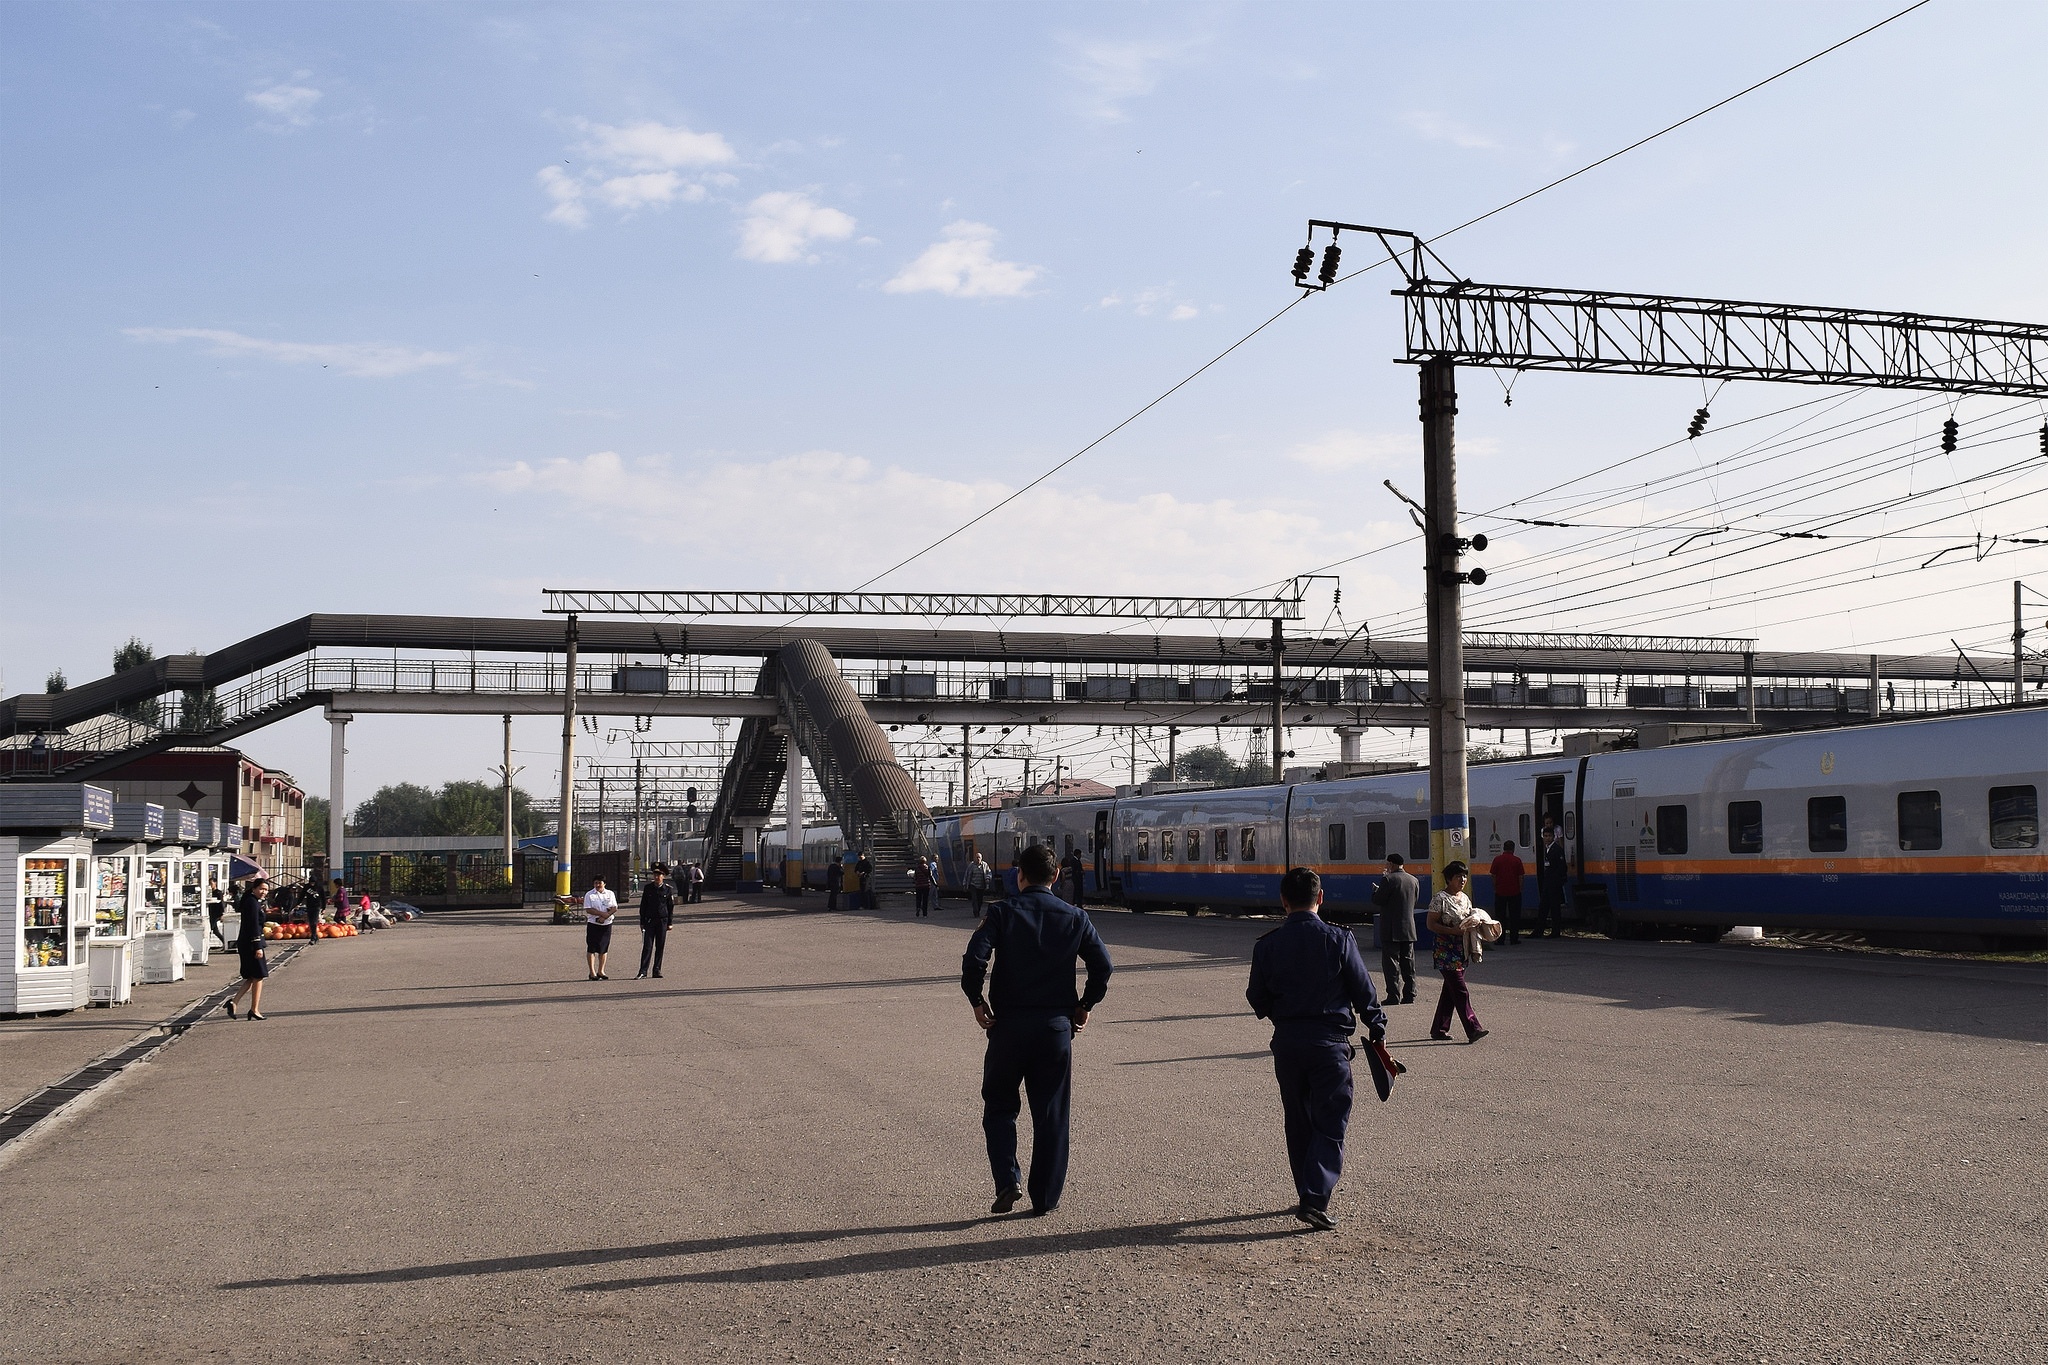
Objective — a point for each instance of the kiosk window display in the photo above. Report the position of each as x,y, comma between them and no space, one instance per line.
46,872
112,876
157,876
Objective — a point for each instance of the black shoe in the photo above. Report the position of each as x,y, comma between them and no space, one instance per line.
229,1006
1476,1035
657,976
1440,1037
641,977
1315,1218
259,1016
593,976
1037,1212
1006,1201
602,977
1407,999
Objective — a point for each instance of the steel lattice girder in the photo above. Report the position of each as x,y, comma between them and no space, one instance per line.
586,601
1569,329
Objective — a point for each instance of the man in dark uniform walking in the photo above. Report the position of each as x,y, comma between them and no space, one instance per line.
657,913
1031,1014
1396,896
1308,978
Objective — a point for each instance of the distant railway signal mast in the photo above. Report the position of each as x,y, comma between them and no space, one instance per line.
1450,320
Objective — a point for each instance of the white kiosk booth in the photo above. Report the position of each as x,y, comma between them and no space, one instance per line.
166,889
117,907
203,870
46,834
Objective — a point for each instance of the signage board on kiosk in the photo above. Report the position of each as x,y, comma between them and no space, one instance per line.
173,887
46,875
118,857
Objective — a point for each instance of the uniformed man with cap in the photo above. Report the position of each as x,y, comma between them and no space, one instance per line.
1031,1014
1309,979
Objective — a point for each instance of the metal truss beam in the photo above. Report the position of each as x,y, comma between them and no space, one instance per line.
712,750
606,602
1577,329
1674,644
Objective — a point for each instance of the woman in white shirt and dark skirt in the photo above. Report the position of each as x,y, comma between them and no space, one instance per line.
600,907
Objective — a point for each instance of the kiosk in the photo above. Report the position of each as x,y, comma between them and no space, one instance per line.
46,835
117,880
203,871
164,897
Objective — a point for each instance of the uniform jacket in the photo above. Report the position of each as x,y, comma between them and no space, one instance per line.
1552,866
657,905
835,876
1308,978
1396,896
1035,938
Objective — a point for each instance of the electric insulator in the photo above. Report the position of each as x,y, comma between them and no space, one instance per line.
2044,438
1948,436
1697,425
1304,260
1331,255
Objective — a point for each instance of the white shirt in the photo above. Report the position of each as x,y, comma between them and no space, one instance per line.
599,906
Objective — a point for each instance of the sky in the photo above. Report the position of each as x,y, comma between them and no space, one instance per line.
405,308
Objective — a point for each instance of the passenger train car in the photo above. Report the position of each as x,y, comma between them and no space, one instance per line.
1909,831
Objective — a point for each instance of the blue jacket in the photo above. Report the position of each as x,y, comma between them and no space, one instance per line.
1308,977
1035,938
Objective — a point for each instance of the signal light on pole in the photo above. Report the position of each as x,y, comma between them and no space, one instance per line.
1304,261
1948,436
1331,255
1697,425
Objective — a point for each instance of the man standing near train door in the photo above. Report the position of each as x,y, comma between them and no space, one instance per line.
1031,1016
1308,978
1553,870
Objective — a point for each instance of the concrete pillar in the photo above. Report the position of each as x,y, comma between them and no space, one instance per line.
1348,738
750,856
1876,702
793,817
337,799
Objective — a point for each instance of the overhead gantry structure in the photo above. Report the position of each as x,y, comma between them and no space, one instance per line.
1451,321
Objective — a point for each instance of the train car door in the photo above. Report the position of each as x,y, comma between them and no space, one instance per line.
1549,804
1101,851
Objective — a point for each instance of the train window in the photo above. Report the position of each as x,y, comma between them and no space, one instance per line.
1671,831
1376,841
1222,845
1144,845
2015,817
1745,826
1525,841
1248,845
1919,820
1166,842
1827,824
1070,843
1418,840
1335,839
1194,846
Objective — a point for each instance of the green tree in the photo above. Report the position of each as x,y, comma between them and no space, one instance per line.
200,710
1211,763
55,683
135,654
394,811
465,809
316,825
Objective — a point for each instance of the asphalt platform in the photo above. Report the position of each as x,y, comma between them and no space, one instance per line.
446,1144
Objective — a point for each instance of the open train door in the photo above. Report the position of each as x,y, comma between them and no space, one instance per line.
1099,846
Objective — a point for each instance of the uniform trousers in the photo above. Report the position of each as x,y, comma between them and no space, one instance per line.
1549,910
1036,1052
1455,998
831,897
1508,910
1397,960
924,900
653,943
1315,1100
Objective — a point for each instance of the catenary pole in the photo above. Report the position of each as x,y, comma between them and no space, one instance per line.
1279,734
511,865
2019,658
1449,808
565,838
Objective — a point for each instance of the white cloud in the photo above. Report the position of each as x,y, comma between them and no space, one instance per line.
637,166
1160,298
1116,71
1436,127
781,225
290,105
1050,540
363,359
963,264
1350,449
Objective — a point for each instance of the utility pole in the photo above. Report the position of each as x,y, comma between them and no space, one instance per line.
2019,659
1172,732
1449,803
1280,735
1134,756
505,771
1059,762
1024,797
633,864
966,765
565,836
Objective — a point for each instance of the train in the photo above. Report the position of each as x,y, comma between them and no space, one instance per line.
1921,832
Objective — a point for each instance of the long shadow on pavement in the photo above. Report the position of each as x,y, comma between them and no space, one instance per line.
1158,1234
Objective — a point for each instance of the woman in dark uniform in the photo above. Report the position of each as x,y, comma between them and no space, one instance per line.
249,944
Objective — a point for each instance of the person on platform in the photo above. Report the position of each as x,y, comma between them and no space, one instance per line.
1032,1015
249,948
1395,899
1457,926
216,909
835,880
1075,873
600,908
1309,979
1507,870
921,882
657,915
979,875
696,883
1553,869
864,877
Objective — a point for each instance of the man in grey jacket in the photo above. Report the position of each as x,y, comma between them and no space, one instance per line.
1395,899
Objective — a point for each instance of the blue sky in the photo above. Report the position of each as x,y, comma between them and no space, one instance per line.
418,308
